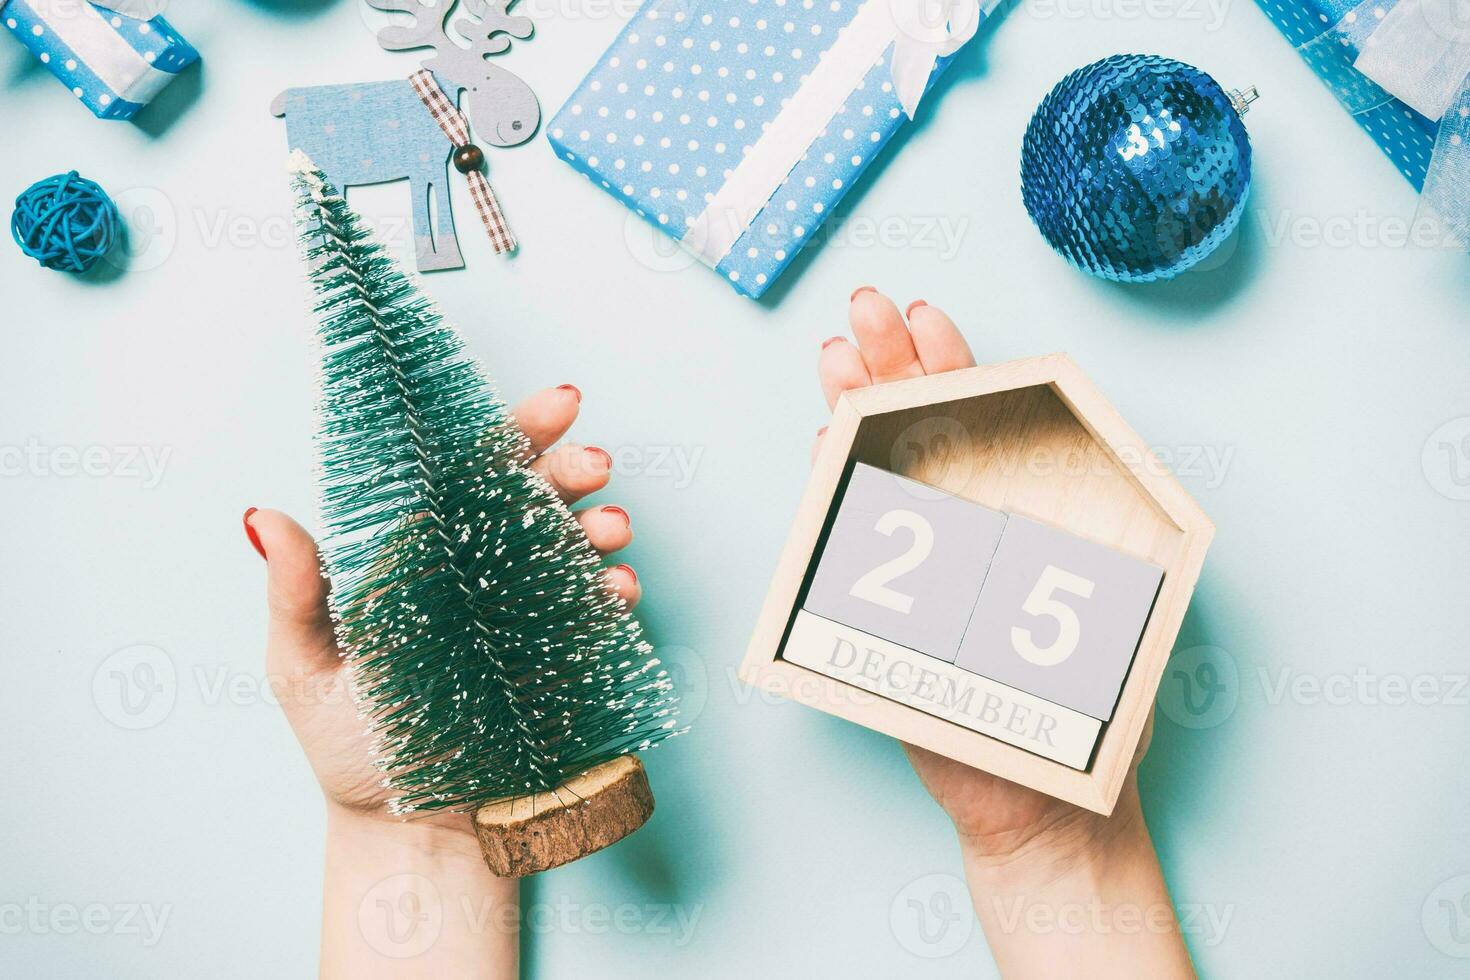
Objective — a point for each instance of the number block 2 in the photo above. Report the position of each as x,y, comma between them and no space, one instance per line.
904,562
1059,617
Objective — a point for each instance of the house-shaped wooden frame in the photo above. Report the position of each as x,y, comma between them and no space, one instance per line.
1031,437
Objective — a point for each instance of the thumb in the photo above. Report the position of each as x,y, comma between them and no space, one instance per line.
296,592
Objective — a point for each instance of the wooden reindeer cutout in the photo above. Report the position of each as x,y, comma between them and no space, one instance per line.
375,132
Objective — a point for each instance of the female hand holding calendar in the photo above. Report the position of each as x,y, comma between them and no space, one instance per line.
1096,878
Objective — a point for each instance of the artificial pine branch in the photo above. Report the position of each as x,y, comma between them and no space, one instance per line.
489,656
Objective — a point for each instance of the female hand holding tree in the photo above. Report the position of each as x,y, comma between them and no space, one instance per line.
406,897
470,648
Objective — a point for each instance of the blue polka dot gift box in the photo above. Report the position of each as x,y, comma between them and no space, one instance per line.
1402,69
735,126
113,63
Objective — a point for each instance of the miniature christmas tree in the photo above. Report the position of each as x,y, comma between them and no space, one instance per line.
493,663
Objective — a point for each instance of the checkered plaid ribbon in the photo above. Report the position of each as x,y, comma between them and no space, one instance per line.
453,123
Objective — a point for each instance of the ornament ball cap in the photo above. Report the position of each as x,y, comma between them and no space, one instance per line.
1241,99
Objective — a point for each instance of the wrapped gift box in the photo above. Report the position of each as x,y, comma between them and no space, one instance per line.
114,63
1323,32
735,127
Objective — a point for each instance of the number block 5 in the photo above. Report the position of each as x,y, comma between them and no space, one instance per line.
1059,617
904,562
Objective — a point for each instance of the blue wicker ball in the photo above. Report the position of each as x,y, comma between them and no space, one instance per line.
65,222
1136,167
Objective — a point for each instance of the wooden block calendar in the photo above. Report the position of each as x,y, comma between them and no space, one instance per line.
999,566
989,620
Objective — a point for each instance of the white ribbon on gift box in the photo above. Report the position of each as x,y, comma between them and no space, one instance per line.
1419,52
928,30
97,43
920,32
1416,51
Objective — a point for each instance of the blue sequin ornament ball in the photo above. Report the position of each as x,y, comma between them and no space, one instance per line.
1136,167
65,222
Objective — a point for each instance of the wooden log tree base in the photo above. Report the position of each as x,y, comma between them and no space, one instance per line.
521,835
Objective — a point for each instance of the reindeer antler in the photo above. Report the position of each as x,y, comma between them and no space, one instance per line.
488,28
426,31
496,21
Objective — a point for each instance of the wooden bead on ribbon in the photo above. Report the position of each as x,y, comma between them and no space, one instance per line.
468,158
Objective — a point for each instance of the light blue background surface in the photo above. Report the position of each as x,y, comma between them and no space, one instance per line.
1316,373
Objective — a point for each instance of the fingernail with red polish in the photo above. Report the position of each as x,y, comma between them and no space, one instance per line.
822,431
629,569
914,306
606,459
861,289
250,532
833,340
573,389
614,509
